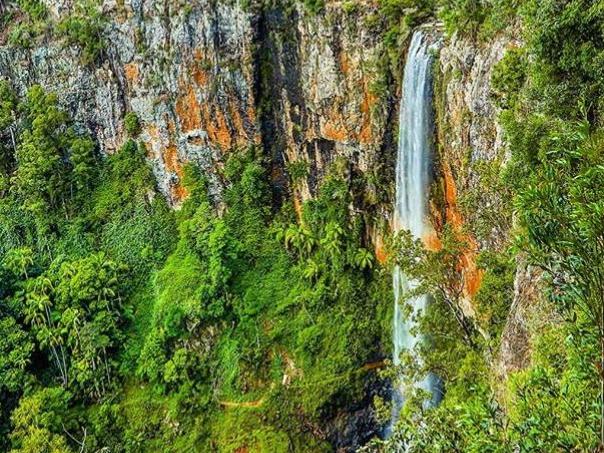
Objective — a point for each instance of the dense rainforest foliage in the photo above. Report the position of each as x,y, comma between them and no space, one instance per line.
548,88
126,325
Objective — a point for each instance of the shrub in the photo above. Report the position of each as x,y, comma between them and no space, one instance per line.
314,6
508,77
35,9
22,35
132,124
84,30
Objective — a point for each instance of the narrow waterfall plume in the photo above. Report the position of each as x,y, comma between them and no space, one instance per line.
413,171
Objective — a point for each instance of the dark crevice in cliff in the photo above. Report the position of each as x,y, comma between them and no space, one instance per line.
265,90
116,69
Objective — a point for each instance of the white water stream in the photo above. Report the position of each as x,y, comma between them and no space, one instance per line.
413,172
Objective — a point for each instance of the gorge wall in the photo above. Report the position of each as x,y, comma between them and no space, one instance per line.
214,76
208,77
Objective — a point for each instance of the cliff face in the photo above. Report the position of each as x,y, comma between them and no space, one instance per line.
468,136
187,73
320,74
468,194
207,77
197,77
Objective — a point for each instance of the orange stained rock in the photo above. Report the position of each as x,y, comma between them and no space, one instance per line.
452,212
369,100
334,131
297,206
216,126
473,275
198,55
173,164
171,125
237,119
198,141
251,113
374,365
169,154
131,70
153,132
336,127
432,241
200,76
344,63
188,110
380,253
470,271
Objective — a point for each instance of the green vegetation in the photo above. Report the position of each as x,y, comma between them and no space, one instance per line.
236,325
314,6
552,405
69,270
31,25
298,171
82,28
132,124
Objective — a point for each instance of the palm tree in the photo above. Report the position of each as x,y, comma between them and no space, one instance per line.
311,270
19,260
38,312
363,259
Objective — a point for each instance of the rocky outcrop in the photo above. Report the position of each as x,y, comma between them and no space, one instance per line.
197,77
468,138
92,95
515,349
188,75
320,75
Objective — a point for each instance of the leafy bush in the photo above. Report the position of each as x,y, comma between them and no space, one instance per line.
132,124
314,6
35,9
40,421
508,77
85,30
22,35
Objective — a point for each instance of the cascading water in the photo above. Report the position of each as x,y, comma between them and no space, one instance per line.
412,180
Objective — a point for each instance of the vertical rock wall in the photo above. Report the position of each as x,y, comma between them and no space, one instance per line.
320,73
467,134
197,74
469,140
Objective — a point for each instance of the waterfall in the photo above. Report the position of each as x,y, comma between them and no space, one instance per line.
413,171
